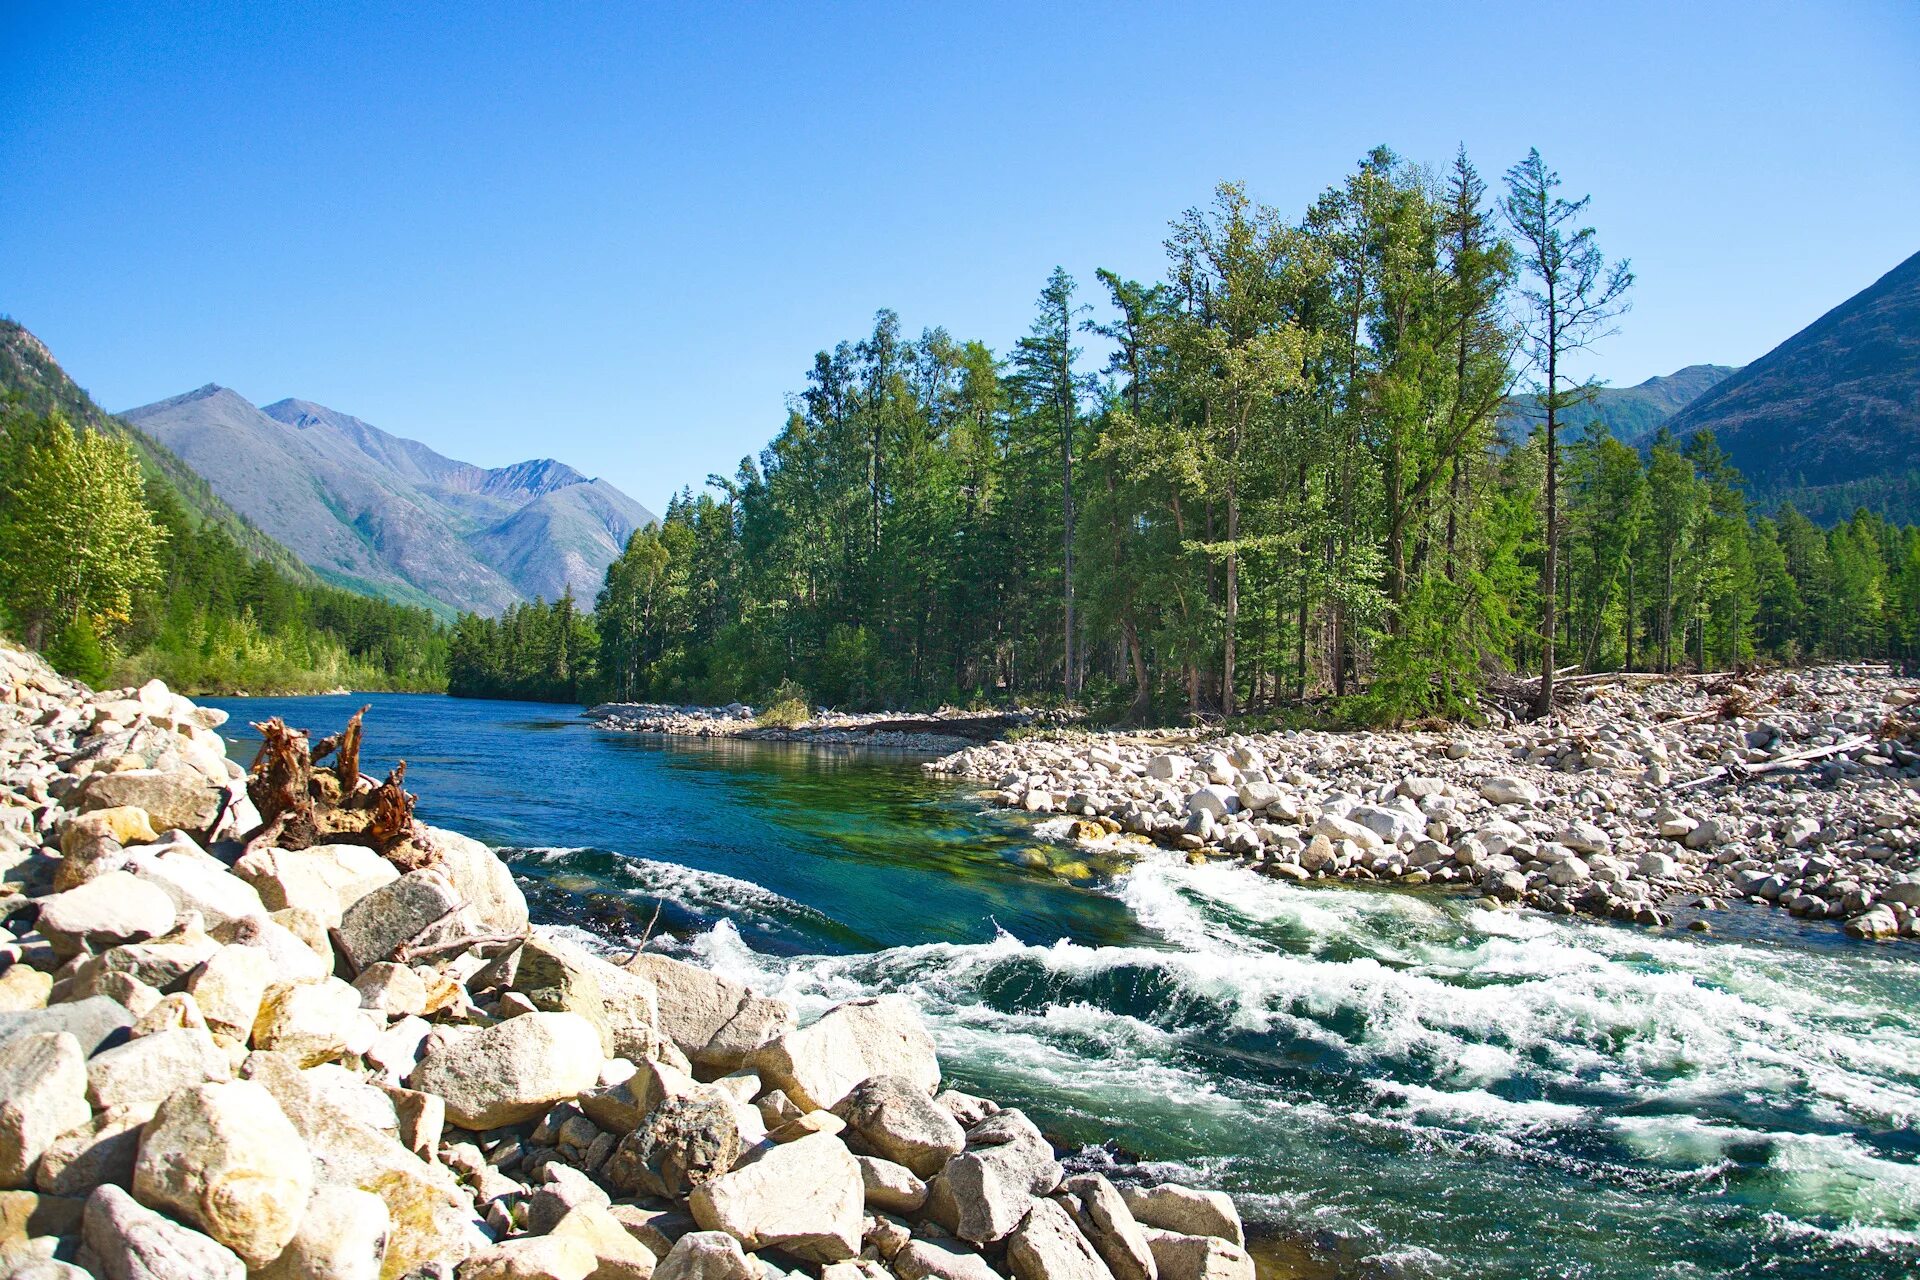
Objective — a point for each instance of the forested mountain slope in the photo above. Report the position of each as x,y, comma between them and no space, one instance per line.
1631,414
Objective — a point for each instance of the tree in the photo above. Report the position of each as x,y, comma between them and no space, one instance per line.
75,532
1573,302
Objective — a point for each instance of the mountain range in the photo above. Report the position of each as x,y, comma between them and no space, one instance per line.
380,513
1631,414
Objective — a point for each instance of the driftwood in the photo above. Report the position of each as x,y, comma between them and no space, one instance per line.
280,783
1799,760
347,744
302,805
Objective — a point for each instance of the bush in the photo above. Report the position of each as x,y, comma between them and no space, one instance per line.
76,652
788,708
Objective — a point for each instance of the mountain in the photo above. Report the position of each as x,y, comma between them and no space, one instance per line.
1632,414
377,512
28,369
1832,415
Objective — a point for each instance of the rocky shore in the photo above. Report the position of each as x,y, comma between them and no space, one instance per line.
945,730
1645,798
265,1024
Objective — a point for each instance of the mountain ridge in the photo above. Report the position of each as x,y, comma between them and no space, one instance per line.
366,507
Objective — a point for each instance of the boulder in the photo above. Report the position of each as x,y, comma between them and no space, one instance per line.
26,1216
926,1260
122,1239
164,963
195,880
511,1072
1103,1217
1048,1246
104,912
24,988
616,1254
92,1022
802,1197
705,1255
1172,1207
893,1117
223,1158
984,1192
1180,1257
94,1154
123,824
391,990
718,1024
819,1065
325,879
315,1021
531,1258
421,907
683,1143
1507,790
560,977
342,1236
43,1093
173,798
230,988
890,1187
295,959
1169,767
141,1074
494,902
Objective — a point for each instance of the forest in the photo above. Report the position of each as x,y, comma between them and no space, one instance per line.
104,569
1285,484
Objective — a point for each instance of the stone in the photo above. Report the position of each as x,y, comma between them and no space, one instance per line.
560,977
984,1192
172,798
1048,1246
315,1021
819,1065
93,1154
1181,1257
1875,923
1569,871
531,1258
1169,768
1508,790
894,1117
658,1229
494,903
705,1255
617,1255
1105,1220
890,1187
511,1072
683,1143
802,1197
294,960
1655,865
23,988
325,878
195,881
342,1236
104,912
93,1022
122,1239
141,1074
230,987
391,990
421,907
223,1158
43,1093
164,963
718,1024
1904,892
123,824
25,1216
1214,800
926,1260
1172,1207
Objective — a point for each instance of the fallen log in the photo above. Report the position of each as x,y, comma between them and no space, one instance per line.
1800,760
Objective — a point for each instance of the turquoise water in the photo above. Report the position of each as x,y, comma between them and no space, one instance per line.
1392,1083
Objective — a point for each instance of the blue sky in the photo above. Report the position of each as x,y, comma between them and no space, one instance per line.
617,235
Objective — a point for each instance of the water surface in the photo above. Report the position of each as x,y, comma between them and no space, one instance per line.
1392,1083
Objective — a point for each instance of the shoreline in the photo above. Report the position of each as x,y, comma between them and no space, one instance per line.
334,1044
1795,789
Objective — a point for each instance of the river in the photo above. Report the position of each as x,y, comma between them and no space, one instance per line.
1392,1083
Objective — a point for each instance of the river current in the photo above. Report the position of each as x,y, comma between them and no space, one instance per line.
1392,1083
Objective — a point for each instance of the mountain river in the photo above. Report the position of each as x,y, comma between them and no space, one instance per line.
1392,1083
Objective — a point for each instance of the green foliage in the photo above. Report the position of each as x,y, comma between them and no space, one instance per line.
788,708
76,652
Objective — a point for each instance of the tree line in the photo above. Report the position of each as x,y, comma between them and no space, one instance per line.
107,572
1286,482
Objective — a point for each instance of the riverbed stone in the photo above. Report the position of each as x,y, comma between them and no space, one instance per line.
93,1154
890,1187
802,1197
617,1255
94,1022
342,1236
173,798
559,976
893,1117
982,1194
223,1158
1049,1246
315,1021
1103,1217
43,1093
122,1239
683,1143
1184,1257
511,1072
104,912
531,1258
819,1065
142,1073
419,908
716,1023
706,1255
324,878
494,903
1172,1207
230,988
933,1260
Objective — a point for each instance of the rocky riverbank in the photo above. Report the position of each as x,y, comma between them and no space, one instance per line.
265,1024
1645,798
945,730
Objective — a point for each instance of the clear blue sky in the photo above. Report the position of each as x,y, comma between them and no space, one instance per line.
616,236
